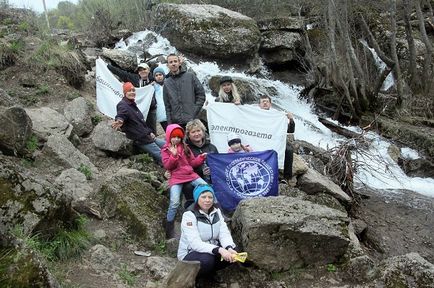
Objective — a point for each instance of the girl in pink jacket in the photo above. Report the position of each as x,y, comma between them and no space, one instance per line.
179,161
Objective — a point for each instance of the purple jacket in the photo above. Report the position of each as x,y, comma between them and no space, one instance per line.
180,166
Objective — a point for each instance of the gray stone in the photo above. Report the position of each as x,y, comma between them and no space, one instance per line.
104,137
359,226
273,40
58,153
125,59
127,195
74,184
101,258
360,269
282,232
208,30
394,152
5,99
160,267
409,270
282,23
47,121
15,130
78,113
278,57
299,166
313,182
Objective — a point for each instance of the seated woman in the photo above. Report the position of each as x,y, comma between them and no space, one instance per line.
205,236
228,92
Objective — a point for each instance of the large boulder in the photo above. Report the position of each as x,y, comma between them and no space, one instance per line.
47,121
104,137
127,195
123,58
58,153
293,24
410,270
15,130
78,113
280,233
313,182
208,30
29,201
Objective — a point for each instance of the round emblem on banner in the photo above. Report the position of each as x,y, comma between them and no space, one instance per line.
249,177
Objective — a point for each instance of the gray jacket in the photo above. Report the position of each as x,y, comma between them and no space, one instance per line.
183,96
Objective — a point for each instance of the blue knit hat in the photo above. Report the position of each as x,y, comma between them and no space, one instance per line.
159,70
202,189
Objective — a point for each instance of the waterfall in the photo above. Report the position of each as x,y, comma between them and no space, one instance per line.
377,169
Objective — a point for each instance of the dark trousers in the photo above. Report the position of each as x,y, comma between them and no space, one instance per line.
164,125
151,120
287,165
208,263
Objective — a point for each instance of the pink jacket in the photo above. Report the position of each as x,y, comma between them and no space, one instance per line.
179,166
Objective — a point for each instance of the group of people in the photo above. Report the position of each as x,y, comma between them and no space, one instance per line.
177,101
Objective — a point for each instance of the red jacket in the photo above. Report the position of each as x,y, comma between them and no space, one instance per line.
179,166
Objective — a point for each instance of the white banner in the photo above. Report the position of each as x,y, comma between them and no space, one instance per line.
109,92
261,129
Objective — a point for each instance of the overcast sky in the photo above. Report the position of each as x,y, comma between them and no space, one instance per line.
37,5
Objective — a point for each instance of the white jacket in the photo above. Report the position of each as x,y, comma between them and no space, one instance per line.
202,233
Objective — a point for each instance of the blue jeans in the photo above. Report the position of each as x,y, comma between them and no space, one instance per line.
154,149
175,197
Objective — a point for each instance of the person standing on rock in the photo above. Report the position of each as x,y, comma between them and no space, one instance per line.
265,103
139,79
131,121
205,236
228,92
158,94
183,93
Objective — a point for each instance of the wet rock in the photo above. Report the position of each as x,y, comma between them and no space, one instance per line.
283,232
313,182
208,30
15,130
417,167
77,112
104,137
410,270
128,196
394,152
123,58
47,121
58,153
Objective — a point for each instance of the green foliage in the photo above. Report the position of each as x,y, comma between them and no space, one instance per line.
24,26
73,95
331,268
144,158
43,90
161,247
85,170
65,244
65,22
96,119
32,144
16,46
126,276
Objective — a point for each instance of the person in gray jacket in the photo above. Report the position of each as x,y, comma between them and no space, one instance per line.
205,236
183,93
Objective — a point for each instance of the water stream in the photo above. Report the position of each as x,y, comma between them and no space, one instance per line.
376,168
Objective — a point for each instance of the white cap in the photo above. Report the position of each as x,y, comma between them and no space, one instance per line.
233,136
143,65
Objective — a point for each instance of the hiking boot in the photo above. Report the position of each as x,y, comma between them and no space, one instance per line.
170,229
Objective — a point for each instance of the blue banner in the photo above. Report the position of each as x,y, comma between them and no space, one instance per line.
236,176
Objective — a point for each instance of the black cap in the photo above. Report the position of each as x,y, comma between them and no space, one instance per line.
226,79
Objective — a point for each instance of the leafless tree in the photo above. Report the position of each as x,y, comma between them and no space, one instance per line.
427,67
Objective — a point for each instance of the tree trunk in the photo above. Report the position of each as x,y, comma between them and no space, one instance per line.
427,71
414,79
397,68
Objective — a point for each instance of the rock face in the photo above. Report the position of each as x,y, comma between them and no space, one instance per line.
281,40
47,121
59,153
410,270
208,30
313,182
77,112
125,59
29,201
104,137
5,99
74,184
126,195
15,130
283,232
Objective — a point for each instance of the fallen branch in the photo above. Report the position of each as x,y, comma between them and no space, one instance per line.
341,131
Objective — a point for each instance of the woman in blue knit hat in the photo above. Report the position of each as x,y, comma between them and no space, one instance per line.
159,75
205,236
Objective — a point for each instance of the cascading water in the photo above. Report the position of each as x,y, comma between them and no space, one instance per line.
376,170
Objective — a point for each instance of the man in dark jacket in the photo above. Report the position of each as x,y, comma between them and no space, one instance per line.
132,122
139,79
183,93
265,103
